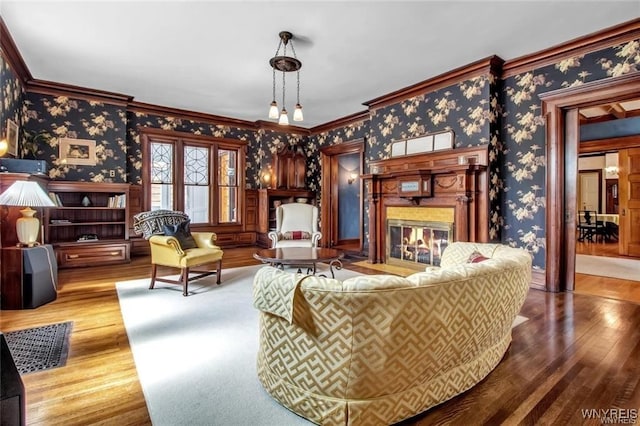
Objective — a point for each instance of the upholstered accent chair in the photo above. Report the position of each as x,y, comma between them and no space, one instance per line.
296,226
378,349
173,245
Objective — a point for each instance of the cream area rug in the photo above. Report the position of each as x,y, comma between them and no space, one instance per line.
196,355
614,267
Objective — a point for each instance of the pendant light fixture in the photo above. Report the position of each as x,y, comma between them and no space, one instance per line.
285,64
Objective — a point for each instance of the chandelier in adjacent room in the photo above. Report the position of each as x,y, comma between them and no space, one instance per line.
285,64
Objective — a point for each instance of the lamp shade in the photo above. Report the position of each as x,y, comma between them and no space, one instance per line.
284,118
25,193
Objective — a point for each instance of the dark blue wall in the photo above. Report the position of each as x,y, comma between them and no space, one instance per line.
348,197
610,129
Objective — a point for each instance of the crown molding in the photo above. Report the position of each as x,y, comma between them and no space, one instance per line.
185,135
61,89
491,64
595,41
142,107
341,122
12,54
270,125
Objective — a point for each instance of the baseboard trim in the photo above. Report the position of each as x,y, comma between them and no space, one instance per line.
538,279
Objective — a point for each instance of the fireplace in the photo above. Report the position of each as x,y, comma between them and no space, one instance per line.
418,204
417,244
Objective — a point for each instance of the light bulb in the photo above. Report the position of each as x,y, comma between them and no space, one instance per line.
284,119
273,110
297,113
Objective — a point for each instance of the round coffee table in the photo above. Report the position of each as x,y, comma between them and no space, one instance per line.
302,257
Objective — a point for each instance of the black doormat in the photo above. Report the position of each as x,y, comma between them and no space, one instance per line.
40,348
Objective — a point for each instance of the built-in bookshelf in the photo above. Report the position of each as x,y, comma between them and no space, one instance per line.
90,223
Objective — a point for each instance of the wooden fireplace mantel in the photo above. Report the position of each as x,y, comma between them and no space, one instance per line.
455,178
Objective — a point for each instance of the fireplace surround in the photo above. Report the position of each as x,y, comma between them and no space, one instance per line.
442,192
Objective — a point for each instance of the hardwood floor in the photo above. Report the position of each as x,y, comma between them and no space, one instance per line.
604,286
575,352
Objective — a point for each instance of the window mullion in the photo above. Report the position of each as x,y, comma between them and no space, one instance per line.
177,176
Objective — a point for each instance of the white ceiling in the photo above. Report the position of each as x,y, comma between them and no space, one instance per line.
213,56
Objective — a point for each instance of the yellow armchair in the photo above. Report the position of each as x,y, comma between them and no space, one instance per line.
167,251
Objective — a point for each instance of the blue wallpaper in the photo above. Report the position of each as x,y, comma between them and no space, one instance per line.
523,168
49,118
12,97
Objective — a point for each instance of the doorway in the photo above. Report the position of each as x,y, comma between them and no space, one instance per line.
590,190
341,202
562,131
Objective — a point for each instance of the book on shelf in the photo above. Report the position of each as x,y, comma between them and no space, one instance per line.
59,221
117,201
55,198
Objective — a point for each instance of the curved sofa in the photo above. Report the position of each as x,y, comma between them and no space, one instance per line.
377,349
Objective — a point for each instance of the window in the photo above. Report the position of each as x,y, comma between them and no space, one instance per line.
227,185
161,176
196,183
198,175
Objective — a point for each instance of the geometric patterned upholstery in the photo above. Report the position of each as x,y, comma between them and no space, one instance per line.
152,222
380,349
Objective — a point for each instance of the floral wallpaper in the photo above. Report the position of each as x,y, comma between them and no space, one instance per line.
49,118
11,96
523,148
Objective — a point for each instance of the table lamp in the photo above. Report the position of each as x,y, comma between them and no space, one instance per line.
26,194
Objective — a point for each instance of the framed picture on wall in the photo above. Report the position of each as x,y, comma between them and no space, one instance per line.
419,145
443,140
77,151
399,148
12,138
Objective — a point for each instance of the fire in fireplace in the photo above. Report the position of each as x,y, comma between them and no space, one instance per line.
416,244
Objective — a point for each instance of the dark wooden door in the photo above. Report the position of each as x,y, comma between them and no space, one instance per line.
612,196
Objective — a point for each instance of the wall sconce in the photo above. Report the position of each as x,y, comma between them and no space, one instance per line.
24,193
4,147
266,176
352,177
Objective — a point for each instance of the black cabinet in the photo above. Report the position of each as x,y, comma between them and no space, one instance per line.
29,277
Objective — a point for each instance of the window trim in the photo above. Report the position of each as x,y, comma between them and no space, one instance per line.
179,140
